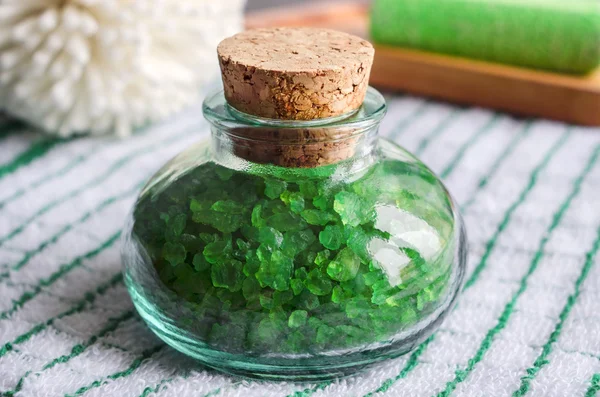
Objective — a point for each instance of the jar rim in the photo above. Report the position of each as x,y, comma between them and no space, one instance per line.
221,115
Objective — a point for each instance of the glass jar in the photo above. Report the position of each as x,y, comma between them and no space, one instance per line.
298,250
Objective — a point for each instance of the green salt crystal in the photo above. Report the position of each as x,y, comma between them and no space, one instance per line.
175,209
208,237
317,283
298,241
232,335
227,274
399,299
337,295
166,274
358,241
263,253
373,276
250,233
270,237
321,202
420,302
247,193
302,239
252,304
322,257
297,318
381,296
203,216
297,286
274,207
331,237
308,189
200,263
219,335
278,314
352,209
381,234
228,206
286,222
294,342
256,218
176,224
354,335
266,302
252,263
408,316
345,265
314,322
174,253
280,298
242,245
424,296
388,313
225,222
355,307
438,287
218,251
306,256
266,334
325,334
416,259
307,301
294,200
301,273
250,288
210,302
190,242
317,217
226,296
275,271
198,206
285,266
274,188
310,257
183,272
356,286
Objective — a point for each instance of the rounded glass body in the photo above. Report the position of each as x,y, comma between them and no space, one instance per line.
294,250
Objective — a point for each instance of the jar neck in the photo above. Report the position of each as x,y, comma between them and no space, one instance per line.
239,139
292,148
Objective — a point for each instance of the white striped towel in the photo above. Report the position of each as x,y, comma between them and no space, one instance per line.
527,322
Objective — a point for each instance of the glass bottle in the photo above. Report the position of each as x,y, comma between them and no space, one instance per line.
297,250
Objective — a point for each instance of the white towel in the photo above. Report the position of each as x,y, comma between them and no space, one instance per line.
527,322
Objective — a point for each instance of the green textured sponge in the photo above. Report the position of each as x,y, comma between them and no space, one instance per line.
556,35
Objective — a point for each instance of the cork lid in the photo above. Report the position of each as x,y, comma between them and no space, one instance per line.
295,73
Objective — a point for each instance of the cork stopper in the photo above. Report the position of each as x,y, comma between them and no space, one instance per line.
295,74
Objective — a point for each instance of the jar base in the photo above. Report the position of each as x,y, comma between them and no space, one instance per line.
309,369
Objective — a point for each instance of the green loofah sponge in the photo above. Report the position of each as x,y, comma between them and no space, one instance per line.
555,35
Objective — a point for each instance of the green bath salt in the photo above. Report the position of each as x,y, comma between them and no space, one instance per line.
269,264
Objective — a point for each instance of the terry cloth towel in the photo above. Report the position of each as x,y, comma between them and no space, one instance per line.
527,323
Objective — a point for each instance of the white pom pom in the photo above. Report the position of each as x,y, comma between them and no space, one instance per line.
97,66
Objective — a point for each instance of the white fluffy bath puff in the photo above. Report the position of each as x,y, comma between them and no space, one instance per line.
104,66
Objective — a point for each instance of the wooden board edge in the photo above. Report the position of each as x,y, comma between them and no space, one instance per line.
320,13
510,88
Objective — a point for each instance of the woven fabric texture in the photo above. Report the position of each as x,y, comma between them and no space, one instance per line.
527,323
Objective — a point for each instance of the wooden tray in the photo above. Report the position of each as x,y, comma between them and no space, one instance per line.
518,90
